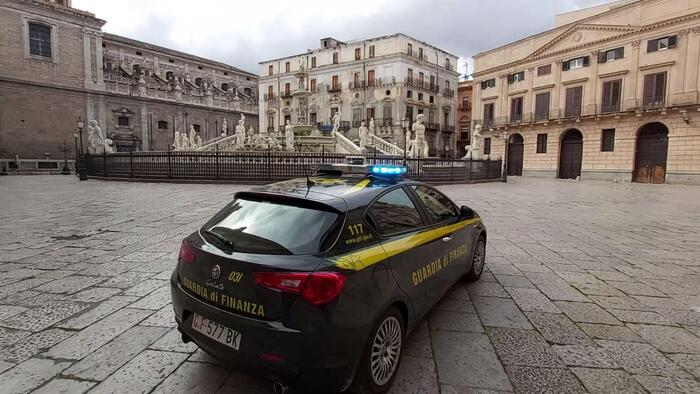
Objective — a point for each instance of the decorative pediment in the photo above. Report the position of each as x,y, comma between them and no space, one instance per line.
581,36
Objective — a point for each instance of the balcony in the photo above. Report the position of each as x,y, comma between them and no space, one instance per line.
269,97
384,122
419,84
334,88
287,94
357,85
448,92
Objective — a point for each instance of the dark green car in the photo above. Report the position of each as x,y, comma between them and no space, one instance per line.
317,281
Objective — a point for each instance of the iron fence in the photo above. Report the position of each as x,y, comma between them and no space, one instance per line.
270,166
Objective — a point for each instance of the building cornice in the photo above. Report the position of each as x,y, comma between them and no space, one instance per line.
59,12
630,32
656,65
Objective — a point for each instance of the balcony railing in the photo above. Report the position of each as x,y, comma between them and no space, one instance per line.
286,94
269,97
357,85
334,88
425,85
448,92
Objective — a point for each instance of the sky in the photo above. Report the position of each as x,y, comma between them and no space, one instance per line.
244,33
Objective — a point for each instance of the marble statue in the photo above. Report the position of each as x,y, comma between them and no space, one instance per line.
474,149
96,140
184,141
176,142
273,142
250,137
224,128
108,146
193,133
197,141
289,137
240,133
336,121
302,65
371,126
419,146
363,135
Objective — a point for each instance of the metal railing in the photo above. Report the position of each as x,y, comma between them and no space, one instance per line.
269,166
269,97
334,88
448,92
425,85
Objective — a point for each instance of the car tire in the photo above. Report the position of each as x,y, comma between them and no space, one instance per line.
478,261
382,356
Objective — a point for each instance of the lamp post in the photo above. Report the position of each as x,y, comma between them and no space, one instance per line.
82,170
504,174
75,162
65,149
405,125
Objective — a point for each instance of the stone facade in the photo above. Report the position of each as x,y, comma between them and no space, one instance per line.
140,93
464,115
610,93
387,78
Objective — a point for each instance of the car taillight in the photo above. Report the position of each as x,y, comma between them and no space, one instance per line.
317,288
187,253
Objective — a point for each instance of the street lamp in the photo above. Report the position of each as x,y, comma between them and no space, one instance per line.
504,174
75,140
65,149
405,125
82,170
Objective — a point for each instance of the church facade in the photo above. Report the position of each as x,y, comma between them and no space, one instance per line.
57,65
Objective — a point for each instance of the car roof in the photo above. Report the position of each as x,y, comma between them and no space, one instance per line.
340,192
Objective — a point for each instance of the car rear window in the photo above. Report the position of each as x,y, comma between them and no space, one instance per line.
264,227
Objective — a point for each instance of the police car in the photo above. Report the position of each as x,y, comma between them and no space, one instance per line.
317,281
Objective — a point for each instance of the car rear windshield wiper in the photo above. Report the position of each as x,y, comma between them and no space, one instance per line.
227,242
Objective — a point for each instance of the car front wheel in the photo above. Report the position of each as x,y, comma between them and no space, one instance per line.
381,358
478,261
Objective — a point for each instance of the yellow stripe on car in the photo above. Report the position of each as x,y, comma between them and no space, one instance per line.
364,258
359,186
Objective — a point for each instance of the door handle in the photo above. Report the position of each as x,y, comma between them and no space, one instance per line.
447,238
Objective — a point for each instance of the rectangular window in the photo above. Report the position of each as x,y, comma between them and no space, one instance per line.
489,83
542,106
544,70
410,49
371,51
541,143
447,64
39,40
611,55
270,91
409,113
410,73
356,79
162,125
516,110
420,96
607,140
487,146
370,113
335,57
270,70
335,82
313,118
420,53
517,77
573,101
576,63
409,94
370,77
286,67
489,113
313,85
287,89
358,54
386,111
660,44
313,61
611,96
654,90
421,78
123,121
356,116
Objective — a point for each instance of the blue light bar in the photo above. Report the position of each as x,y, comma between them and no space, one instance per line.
387,171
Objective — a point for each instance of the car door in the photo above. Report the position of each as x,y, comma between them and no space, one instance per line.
456,234
411,245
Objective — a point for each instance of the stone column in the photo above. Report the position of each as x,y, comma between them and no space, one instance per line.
87,57
556,92
145,128
590,99
100,82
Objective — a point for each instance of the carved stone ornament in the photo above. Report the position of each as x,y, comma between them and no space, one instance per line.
684,32
635,44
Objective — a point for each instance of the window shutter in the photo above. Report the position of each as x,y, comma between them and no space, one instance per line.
510,78
649,83
660,88
620,53
652,45
607,88
586,61
565,66
602,57
672,41
615,88
483,85
577,100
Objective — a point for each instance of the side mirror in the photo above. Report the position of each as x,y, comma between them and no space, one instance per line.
467,213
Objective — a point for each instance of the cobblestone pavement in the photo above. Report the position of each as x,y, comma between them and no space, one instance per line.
591,287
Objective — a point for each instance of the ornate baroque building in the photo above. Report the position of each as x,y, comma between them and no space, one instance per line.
57,65
610,93
464,115
387,78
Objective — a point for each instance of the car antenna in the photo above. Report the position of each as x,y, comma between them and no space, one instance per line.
309,182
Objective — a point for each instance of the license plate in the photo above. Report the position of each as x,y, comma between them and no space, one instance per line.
217,331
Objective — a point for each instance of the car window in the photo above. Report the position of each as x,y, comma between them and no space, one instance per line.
394,212
266,227
439,207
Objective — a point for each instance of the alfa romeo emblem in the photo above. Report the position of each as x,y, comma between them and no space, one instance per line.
215,272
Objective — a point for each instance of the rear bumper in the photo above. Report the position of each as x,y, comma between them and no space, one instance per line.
323,359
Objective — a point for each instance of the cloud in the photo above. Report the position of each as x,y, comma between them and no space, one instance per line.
244,33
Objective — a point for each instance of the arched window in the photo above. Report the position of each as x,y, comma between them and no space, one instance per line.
39,39
248,91
169,76
224,87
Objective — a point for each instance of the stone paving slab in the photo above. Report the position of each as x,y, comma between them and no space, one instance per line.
581,292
